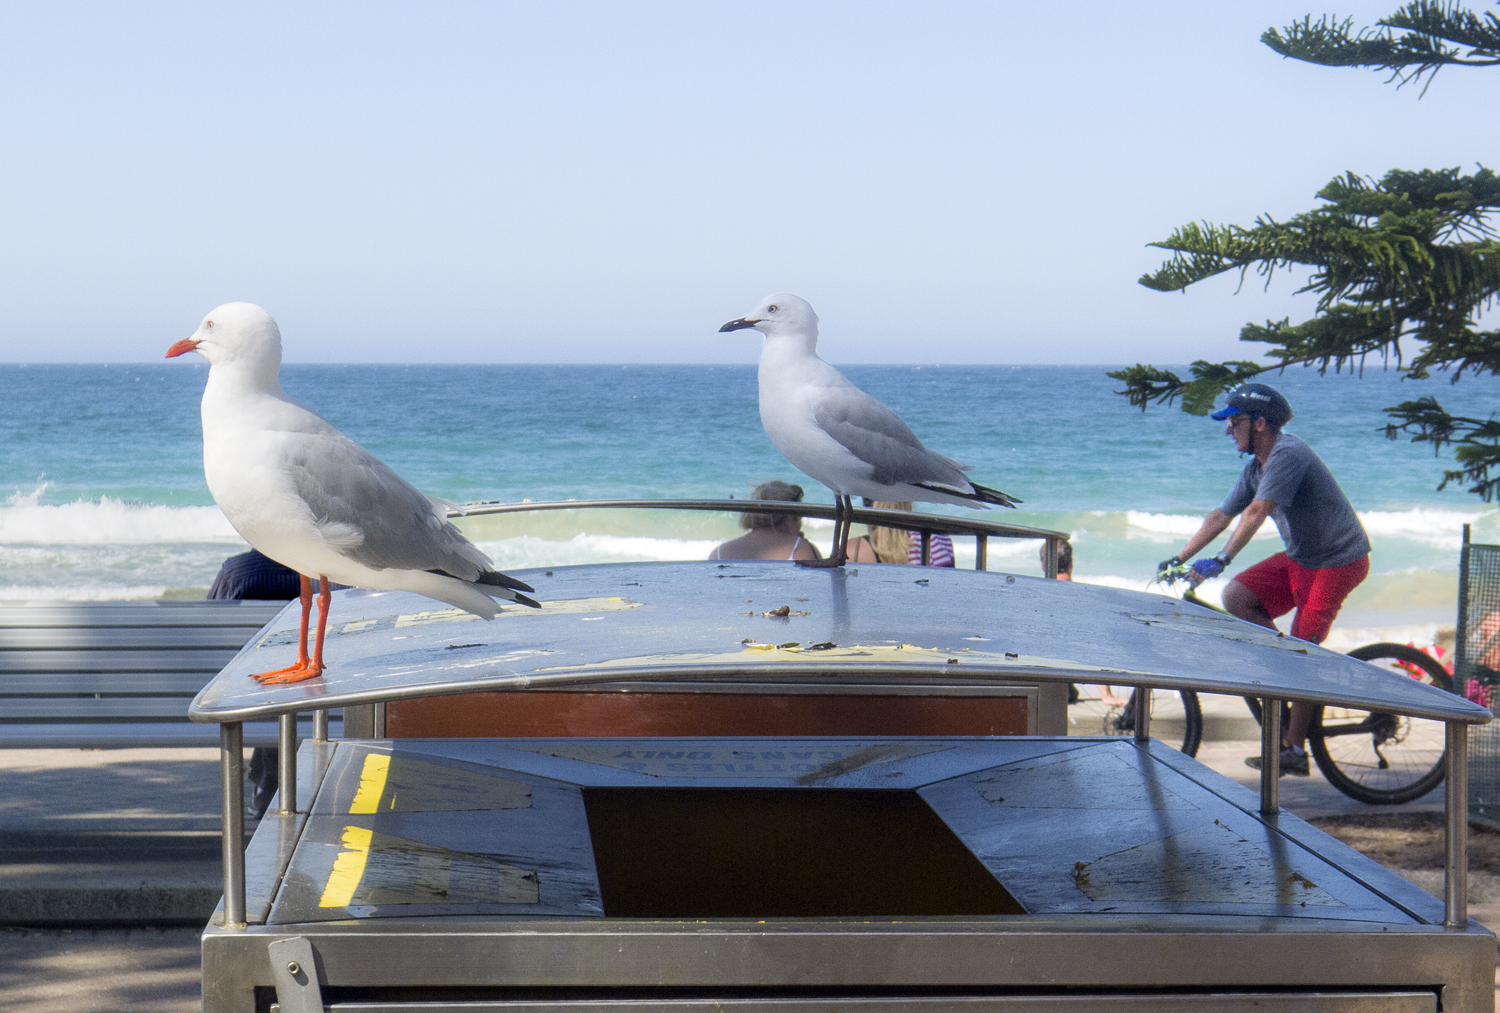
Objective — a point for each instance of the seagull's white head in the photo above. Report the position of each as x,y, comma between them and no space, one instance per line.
780,314
239,333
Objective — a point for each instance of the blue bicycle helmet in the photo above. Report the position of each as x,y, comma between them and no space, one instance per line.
1258,401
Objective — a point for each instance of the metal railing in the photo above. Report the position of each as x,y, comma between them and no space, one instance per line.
926,525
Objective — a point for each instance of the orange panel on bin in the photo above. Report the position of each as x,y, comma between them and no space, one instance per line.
507,715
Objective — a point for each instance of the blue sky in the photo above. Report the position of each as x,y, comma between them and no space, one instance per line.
572,182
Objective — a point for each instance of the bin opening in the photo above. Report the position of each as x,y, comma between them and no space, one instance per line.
782,853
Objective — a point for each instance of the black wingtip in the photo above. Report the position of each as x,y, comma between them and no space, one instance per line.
532,602
988,495
982,494
495,578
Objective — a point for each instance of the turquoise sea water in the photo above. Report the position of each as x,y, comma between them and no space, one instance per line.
102,469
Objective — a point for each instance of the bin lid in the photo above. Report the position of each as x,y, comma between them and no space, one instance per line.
775,622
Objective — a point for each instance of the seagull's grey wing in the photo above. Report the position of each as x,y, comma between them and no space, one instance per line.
876,435
373,516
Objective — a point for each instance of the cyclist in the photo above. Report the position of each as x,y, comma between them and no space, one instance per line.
1327,551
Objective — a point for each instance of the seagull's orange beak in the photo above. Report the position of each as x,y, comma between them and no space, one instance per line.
182,348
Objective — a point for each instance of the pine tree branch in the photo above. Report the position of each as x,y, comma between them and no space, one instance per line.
1419,39
1476,442
1145,384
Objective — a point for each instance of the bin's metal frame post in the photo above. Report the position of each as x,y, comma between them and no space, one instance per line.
981,552
232,771
286,764
320,725
1270,755
1456,865
1049,561
927,548
1142,706
1460,669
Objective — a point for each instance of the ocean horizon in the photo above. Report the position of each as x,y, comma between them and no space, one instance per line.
102,494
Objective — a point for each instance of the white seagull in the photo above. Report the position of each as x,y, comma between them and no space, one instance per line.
836,433
312,499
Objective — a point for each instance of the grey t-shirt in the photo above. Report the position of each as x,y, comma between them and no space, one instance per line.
1315,518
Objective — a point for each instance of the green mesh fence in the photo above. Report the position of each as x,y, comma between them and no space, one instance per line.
1477,671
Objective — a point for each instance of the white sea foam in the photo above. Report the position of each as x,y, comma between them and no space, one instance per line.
81,592
1439,528
106,521
527,551
1165,527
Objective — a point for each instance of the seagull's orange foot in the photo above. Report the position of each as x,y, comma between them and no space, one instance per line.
282,676
297,667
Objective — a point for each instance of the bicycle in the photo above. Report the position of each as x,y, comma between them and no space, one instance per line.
1174,714
1371,756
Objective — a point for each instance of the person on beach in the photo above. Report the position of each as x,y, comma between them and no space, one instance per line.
897,545
1327,550
772,536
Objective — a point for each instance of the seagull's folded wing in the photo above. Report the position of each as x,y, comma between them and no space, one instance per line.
373,516
876,435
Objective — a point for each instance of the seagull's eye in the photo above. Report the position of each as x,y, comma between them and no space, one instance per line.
774,307
209,324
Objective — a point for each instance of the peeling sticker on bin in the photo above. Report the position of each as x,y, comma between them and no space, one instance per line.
564,606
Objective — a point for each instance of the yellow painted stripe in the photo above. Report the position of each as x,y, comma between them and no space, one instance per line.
371,783
348,869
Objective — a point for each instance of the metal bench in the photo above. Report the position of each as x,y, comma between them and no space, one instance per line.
118,674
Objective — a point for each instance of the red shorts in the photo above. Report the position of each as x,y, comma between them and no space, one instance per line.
1317,595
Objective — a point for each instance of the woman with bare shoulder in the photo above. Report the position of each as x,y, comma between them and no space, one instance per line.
771,536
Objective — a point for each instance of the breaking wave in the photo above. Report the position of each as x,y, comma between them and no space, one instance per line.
104,521
1437,527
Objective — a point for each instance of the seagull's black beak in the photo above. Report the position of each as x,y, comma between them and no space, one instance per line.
738,325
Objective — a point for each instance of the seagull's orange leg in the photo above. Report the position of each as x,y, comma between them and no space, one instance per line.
307,669
301,663
325,601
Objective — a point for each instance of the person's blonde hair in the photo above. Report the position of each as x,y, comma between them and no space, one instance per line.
891,545
772,490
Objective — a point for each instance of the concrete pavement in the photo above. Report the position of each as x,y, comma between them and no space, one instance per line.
119,836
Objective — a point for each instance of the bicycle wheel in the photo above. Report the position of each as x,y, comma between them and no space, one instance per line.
1383,759
1176,717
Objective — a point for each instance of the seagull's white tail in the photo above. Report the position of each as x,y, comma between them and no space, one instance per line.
458,593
